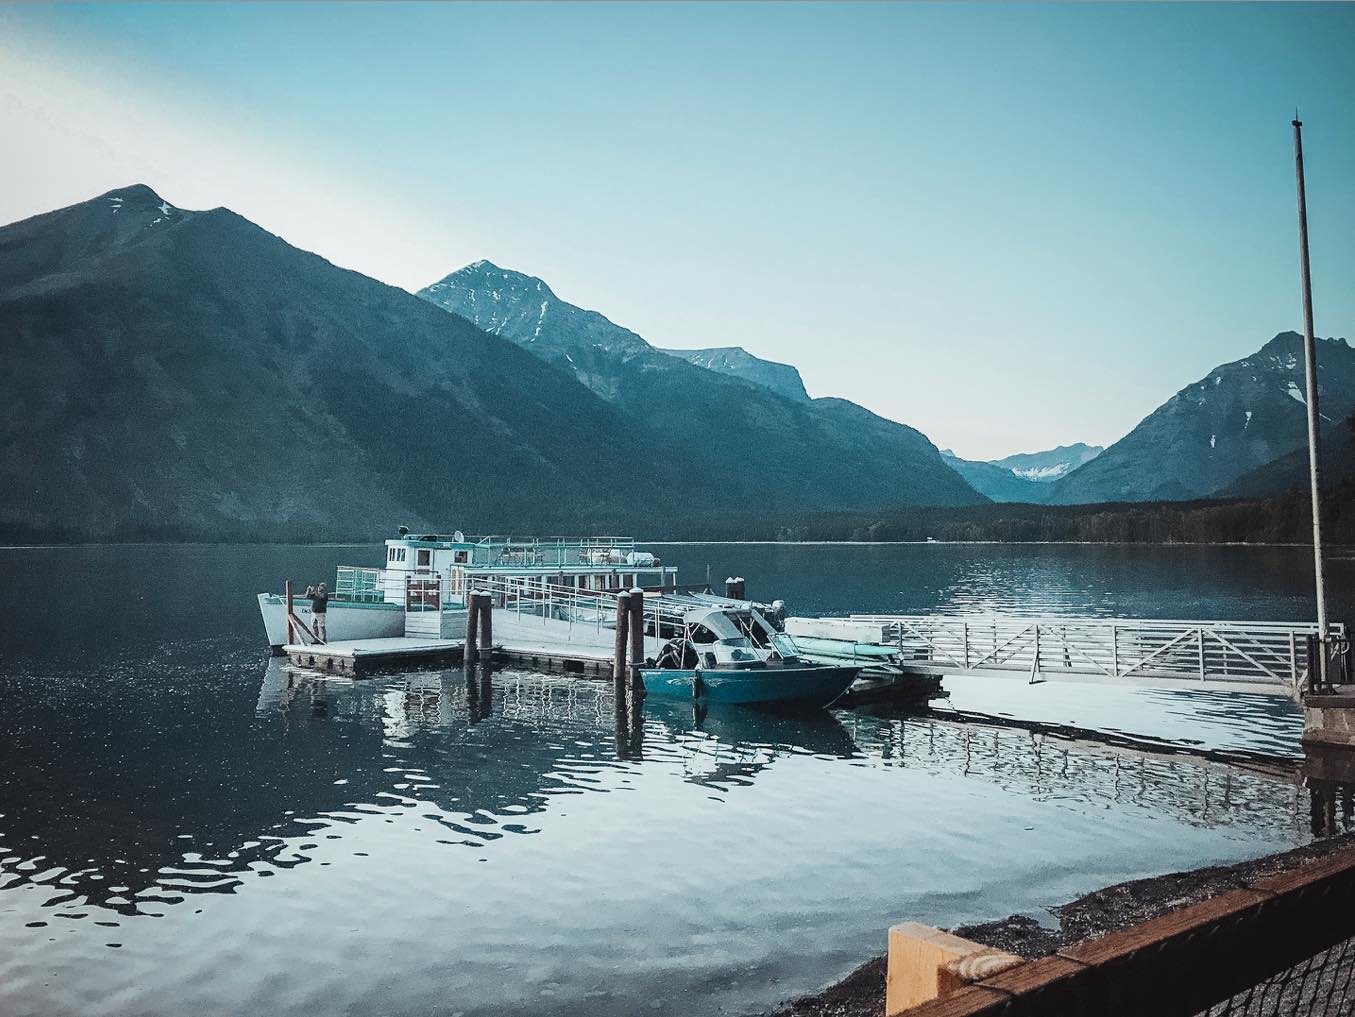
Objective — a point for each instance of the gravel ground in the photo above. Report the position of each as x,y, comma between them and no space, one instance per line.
862,993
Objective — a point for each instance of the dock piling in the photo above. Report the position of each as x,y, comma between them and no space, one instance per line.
291,629
472,652
486,625
621,642
637,638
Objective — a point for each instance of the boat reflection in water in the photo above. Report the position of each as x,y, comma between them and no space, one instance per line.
725,746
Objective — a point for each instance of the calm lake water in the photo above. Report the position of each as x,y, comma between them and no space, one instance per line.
186,826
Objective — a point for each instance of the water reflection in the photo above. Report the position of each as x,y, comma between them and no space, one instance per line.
723,747
1044,767
138,824
1329,773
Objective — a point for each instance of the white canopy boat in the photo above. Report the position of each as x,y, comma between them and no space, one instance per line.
370,603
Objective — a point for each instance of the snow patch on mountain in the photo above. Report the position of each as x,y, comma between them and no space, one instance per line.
1045,473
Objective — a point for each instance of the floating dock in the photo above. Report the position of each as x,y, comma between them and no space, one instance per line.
363,656
575,632
358,657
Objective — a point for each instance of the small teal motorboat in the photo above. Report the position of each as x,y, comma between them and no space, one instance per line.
733,655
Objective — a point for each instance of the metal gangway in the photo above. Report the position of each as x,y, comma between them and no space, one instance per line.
1266,657
527,607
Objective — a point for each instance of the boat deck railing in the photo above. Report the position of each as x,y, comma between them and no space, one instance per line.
360,585
514,550
1259,654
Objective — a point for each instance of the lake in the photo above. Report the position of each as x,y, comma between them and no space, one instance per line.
188,826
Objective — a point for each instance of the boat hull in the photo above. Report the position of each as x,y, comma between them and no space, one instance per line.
343,621
818,684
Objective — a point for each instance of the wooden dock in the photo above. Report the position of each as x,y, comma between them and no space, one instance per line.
363,656
366,656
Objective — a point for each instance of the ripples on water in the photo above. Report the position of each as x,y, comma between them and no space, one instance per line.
185,827
511,838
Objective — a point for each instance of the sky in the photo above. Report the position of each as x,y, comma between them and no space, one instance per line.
1011,227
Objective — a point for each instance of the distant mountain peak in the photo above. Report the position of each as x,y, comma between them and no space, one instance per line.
1024,477
737,362
843,455
1052,464
141,198
1282,339
139,193
1238,417
484,274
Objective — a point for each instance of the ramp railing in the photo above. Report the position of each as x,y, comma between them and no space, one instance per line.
530,597
1269,655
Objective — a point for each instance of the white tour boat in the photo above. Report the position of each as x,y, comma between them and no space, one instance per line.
370,603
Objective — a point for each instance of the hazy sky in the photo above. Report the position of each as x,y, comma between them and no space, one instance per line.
1011,227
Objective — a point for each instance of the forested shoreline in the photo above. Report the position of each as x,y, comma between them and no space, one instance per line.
1284,519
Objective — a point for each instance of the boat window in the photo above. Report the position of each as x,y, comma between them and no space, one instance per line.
461,557
701,634
785,645
737,641
390,554
424,556
751,629
400,554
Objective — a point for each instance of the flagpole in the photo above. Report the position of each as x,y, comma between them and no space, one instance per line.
1314,434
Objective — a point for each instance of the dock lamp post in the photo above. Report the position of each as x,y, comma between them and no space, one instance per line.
1318,680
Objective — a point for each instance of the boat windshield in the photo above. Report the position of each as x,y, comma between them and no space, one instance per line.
738,648
785,645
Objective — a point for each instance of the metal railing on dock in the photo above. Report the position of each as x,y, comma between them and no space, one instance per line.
1263,654
530,597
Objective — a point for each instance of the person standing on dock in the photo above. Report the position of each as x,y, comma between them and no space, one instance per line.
319,608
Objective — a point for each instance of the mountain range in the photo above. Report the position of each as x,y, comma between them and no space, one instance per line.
747,446
171,373
189,374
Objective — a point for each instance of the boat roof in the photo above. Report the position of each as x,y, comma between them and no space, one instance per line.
720,620
458,540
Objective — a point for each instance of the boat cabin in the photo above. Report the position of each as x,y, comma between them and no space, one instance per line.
452,563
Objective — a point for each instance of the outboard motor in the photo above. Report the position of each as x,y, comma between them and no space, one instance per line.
776,615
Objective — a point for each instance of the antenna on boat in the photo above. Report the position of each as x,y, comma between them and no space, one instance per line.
1314,433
